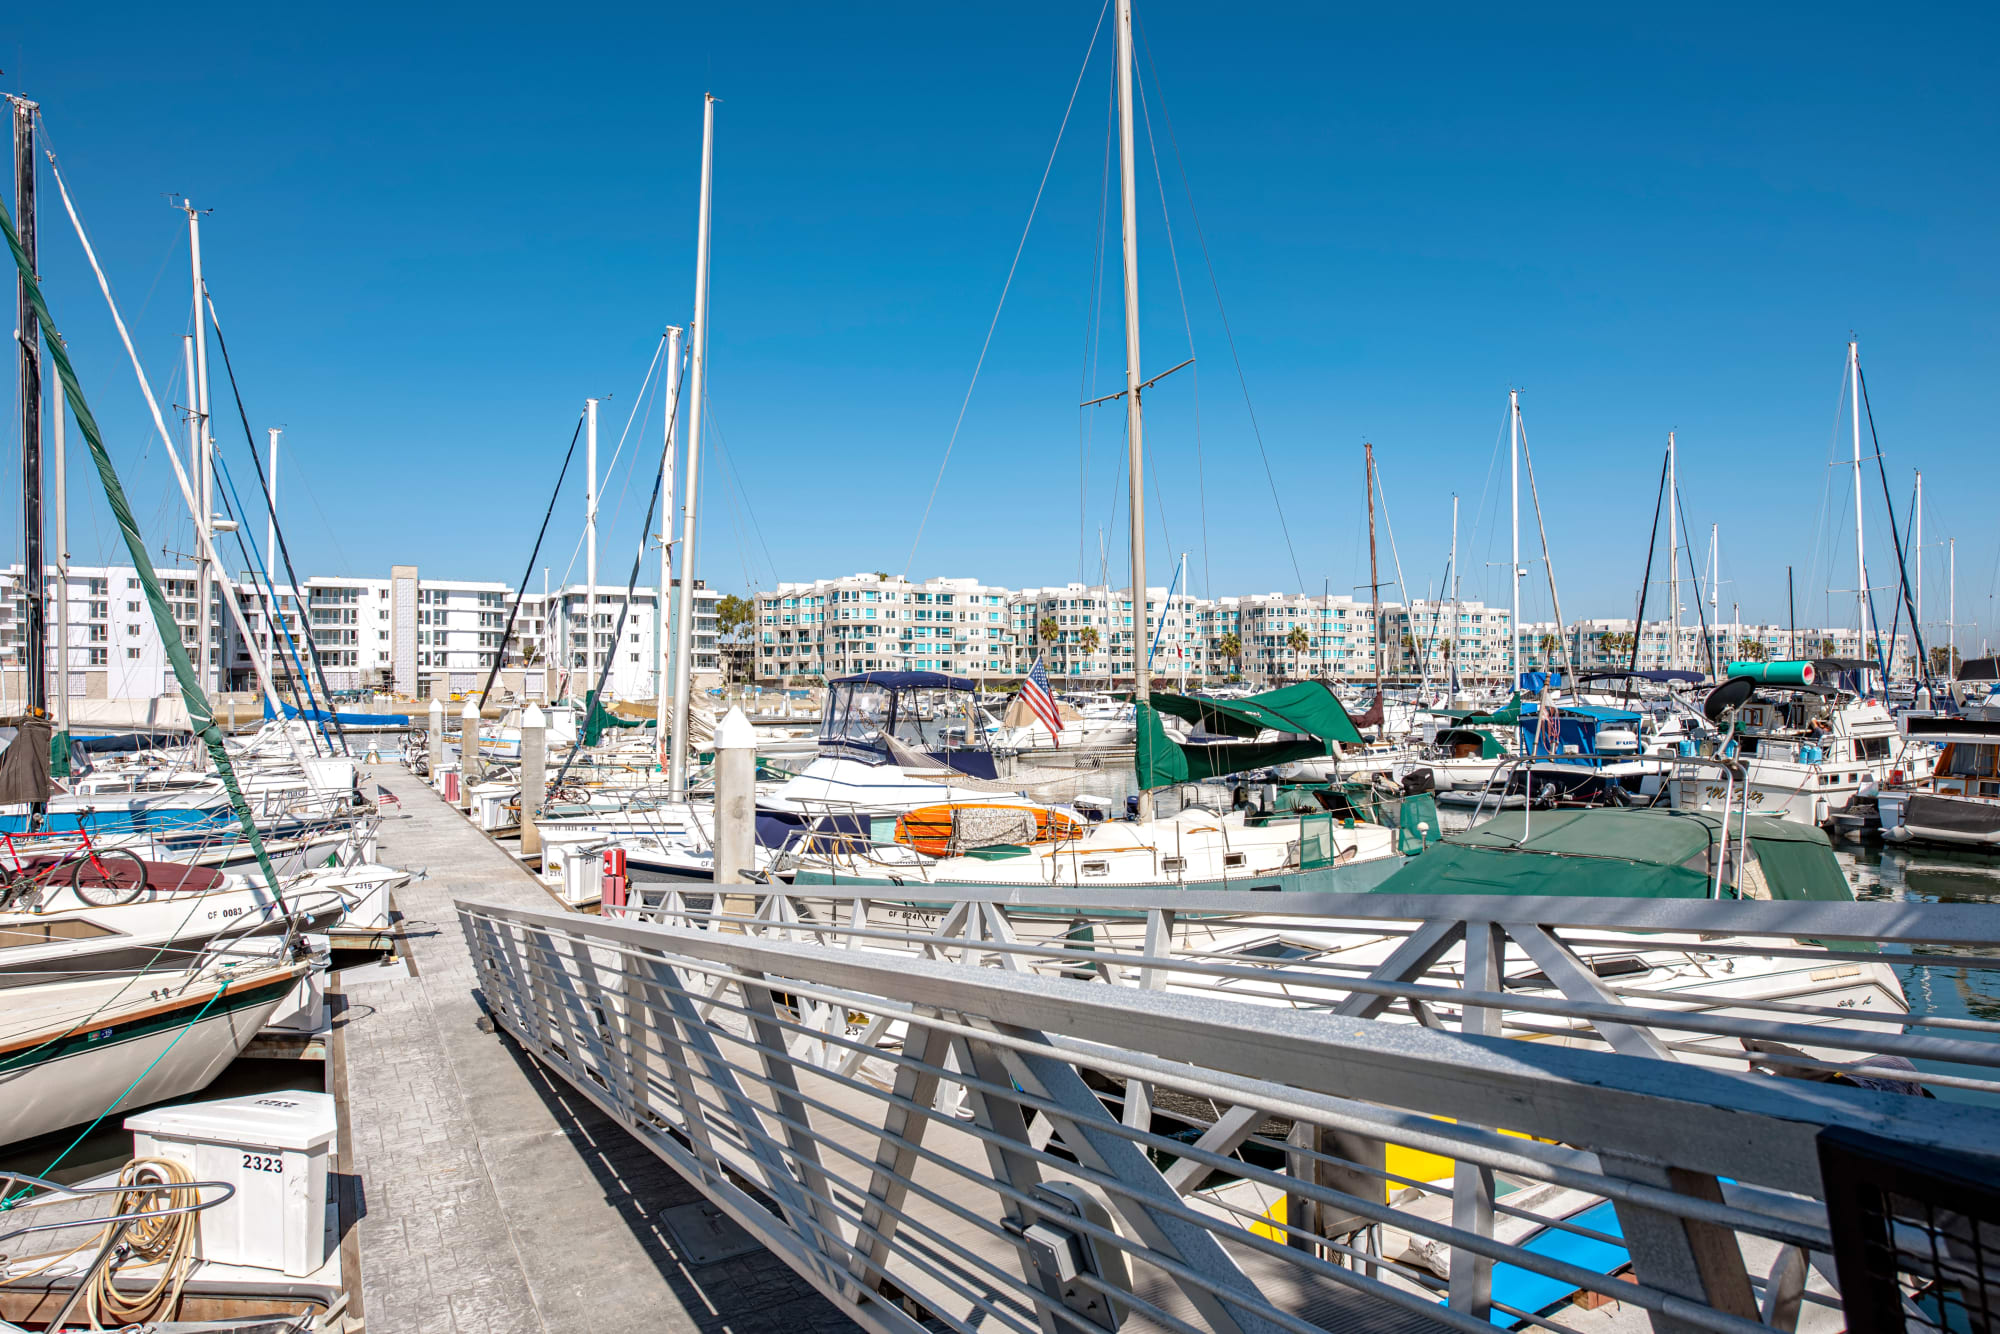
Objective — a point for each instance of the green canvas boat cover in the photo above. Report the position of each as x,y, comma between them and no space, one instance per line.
1308,710
1614,853
598,720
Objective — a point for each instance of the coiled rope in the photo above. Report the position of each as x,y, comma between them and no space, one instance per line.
171,1242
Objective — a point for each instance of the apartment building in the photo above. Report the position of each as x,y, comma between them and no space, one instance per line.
579,636
877,622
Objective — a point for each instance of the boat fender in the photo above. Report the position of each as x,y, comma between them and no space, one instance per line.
1820,810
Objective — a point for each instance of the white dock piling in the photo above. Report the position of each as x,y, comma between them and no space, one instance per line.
735,799
436,743
534,778
468,752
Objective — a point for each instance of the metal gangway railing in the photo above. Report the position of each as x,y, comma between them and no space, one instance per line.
1178,1111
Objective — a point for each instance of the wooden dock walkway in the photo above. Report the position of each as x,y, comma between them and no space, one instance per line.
493,1198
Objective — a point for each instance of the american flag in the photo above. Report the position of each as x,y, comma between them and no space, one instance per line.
1035,693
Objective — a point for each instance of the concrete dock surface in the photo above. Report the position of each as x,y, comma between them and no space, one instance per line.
491,1197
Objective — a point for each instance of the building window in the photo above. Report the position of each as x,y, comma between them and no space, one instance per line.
132,652
99,657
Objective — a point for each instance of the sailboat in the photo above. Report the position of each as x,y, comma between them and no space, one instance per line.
85,1044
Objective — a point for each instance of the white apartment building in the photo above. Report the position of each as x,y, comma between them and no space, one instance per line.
115,650
1421,641
876,622
564,629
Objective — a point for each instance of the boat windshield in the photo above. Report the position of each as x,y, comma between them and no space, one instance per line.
928,712
858,713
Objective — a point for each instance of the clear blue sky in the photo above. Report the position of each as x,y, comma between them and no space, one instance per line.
435,232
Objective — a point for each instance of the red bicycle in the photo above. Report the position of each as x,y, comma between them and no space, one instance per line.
30,863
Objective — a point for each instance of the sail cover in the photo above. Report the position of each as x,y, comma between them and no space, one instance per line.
1308,711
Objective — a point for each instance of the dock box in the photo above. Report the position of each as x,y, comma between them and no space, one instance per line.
274,1148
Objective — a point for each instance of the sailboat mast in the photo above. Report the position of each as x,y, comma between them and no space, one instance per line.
1134,441
1451,642
663,719
1514,565
590,543
683,673
62,570
1714,594
1374,584
271,562
1920,562
1673,558
1860,556
34,580
204,462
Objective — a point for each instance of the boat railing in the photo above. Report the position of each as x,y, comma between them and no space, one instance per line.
970,1113
49,1207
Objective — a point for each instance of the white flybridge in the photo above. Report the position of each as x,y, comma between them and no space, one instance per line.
683,674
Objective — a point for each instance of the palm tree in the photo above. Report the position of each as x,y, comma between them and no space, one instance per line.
1751,650
1297,642
1231,648
1550,645
1088,640
1826,647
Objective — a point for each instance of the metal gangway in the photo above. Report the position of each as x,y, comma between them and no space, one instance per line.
1165,1110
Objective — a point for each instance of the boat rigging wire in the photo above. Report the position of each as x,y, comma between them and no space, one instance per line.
1215,284
1005,287
1093,346
592,700
1896,537
1187,323
1646,579
268,594
284,547
508,632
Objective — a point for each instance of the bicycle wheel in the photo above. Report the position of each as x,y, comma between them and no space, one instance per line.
121,879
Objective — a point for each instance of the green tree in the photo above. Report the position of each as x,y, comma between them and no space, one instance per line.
1088,640
1231,648
1297,642
1944,660
1751,650
1550,645
734,616
1826,647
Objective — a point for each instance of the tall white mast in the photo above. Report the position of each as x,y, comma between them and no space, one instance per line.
1920,560
1714,595
204,455
663,714
1514,565
590,544
1134,442
1860,555
60,687
1451,631
271,563
1951,605
1673,559
683,671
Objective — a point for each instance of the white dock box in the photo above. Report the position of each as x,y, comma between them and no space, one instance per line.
273,1147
